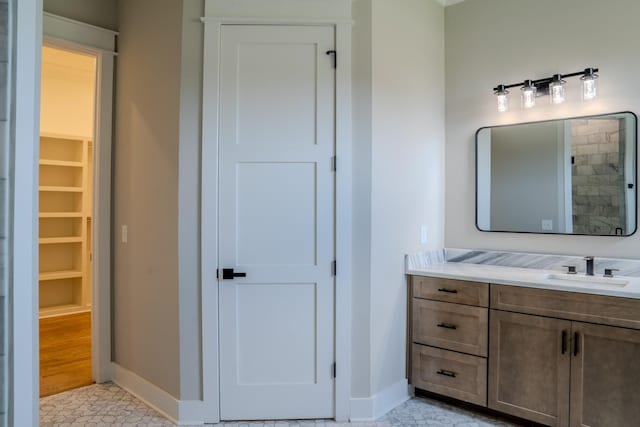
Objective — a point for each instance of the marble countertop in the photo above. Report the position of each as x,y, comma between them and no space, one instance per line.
619,286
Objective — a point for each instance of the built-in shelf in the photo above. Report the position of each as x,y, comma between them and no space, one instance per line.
65,163
59,275
60,215
59,189
56,240
65,240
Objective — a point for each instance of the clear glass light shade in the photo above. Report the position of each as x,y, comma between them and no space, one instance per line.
528,96
557,92
589,87
503,102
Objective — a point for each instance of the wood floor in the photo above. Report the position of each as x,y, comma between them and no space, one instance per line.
65,353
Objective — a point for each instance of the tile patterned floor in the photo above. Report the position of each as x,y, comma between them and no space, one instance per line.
102,405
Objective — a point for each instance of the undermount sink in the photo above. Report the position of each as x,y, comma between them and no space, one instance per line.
579,279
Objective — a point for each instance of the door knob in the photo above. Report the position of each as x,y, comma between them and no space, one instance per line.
229,274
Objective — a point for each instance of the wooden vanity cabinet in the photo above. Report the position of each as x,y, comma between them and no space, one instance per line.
448,337
557,358
560,371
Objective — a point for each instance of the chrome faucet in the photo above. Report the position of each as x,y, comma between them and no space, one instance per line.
589,271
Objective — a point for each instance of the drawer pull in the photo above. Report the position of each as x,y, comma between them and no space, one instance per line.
446,326
449,291
564,342
446,373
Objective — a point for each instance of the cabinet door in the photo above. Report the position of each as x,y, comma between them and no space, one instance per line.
529,359
605,376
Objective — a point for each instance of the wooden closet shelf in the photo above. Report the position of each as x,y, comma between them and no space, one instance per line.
53,240
60,310
59,189
65,163
57,275
60,215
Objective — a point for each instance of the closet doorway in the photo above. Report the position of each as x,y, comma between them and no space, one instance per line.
66,205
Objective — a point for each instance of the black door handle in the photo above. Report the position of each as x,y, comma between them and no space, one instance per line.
576,343
229,274
564,342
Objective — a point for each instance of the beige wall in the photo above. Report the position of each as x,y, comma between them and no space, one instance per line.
407,167
67,97
145,192
189,200
505,41
398,170
102,13
362,130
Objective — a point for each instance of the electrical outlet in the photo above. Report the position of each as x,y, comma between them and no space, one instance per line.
547,225
423,234
125,232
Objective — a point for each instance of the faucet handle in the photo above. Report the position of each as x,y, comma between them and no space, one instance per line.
608,272
571,269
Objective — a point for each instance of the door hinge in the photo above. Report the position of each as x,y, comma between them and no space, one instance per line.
333,370
334,268
334,163
335,57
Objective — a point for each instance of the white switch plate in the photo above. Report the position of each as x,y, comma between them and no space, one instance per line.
547,225
423,234
125,232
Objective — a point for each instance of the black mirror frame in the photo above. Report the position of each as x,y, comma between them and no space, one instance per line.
635,118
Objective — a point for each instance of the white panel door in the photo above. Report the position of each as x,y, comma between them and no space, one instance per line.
277,87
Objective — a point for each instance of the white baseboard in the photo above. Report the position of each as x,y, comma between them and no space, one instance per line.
374,407
181,412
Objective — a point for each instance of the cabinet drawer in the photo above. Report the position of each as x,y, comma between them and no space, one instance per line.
448,290
601,309
452,374
452,326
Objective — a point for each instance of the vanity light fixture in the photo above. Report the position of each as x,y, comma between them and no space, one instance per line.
554,86
528,94
503,100
589,84
556,89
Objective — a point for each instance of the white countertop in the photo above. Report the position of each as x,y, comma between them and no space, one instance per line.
534,278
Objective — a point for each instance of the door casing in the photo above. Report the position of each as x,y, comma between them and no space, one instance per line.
71,35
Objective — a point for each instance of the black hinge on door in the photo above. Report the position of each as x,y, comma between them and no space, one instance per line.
334,268
335,57
333,370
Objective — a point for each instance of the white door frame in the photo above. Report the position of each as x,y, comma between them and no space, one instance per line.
26,40
209,212
67,34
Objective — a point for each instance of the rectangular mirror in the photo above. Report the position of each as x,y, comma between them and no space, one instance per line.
568,176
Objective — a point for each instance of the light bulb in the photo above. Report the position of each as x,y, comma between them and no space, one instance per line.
501,94
589,84
556,89
528,94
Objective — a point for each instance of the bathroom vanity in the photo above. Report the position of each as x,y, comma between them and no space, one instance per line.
557,349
